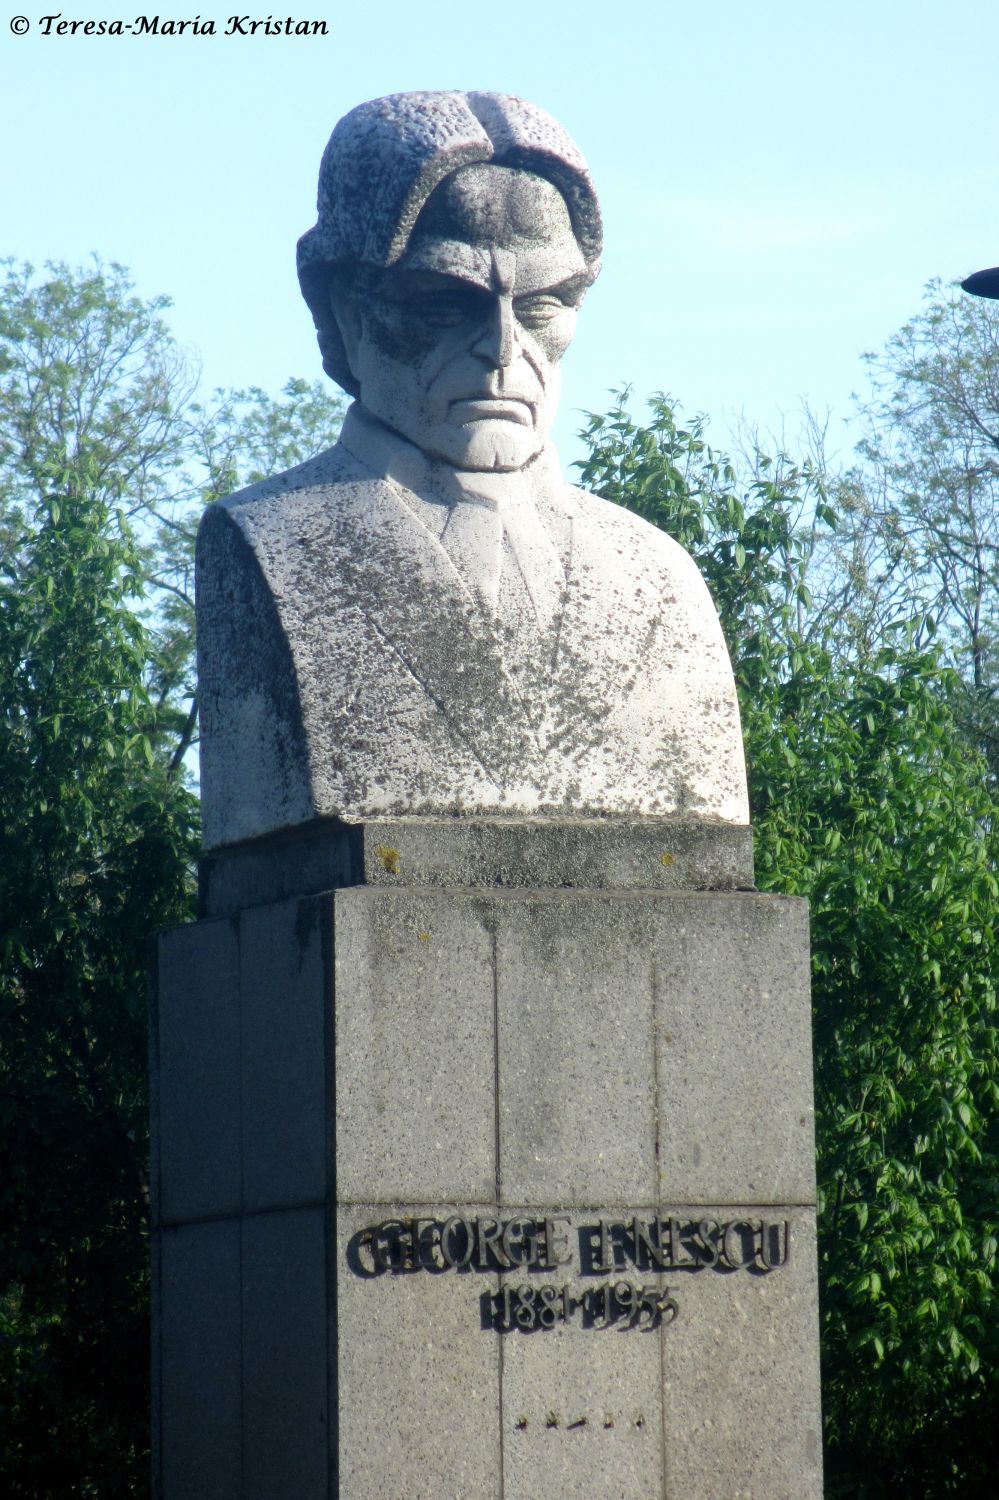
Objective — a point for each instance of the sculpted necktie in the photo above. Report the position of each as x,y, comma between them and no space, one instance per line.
499,543
488,524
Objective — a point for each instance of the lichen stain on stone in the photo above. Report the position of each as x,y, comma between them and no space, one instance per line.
391,860
424,937
667,860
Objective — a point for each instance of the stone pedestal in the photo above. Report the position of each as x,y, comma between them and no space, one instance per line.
486,1171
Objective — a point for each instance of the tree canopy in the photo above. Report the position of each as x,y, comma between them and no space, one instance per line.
870,796
921,507
105,461
860,610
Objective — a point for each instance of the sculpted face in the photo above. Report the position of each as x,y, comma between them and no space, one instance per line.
458,346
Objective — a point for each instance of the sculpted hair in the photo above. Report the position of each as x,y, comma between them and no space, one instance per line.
383,162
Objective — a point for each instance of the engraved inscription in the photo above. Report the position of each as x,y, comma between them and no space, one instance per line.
626,1258
622,1305
597,1247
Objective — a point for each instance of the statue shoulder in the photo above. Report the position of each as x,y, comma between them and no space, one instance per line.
262,514
640,539
332,467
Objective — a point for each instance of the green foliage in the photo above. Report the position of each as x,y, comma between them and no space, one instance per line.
105,462
96,845
869,800
929,488
750,547
88,373
869,797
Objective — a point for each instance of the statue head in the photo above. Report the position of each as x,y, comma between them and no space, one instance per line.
457,236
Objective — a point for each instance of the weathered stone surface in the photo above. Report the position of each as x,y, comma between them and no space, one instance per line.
741,1378
198,1424
632,1028
426,620
653,854
615,854
734,1078
483,996
719,1396
243,1370
197,1167
404,709
285,1355
414,982
285,1016
419,1380
575,1057
407,144
498,1056
582,1414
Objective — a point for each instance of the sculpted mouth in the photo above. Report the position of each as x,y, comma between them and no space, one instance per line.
493,409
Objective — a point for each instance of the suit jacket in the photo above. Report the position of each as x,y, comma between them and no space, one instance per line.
348,668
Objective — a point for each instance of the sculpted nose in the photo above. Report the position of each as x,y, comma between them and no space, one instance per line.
497,340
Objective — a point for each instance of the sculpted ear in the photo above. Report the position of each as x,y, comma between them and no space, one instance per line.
345,308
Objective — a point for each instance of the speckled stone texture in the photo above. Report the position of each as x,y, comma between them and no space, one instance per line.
336,1066
348,670
405,145
618,854
427,620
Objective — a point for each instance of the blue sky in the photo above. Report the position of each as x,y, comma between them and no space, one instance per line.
778,180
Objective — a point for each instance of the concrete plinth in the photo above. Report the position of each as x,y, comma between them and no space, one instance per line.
467,1191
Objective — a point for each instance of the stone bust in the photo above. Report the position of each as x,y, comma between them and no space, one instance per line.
426,620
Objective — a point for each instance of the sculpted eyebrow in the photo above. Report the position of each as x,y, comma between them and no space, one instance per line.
569,291
434,286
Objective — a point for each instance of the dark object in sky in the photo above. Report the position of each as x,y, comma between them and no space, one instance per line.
983,283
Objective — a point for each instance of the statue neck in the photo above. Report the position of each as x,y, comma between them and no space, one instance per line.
388,455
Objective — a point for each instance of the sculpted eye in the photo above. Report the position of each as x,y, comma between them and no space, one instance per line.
537,310
446,309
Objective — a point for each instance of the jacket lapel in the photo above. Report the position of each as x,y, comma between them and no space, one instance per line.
610,622
362,550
